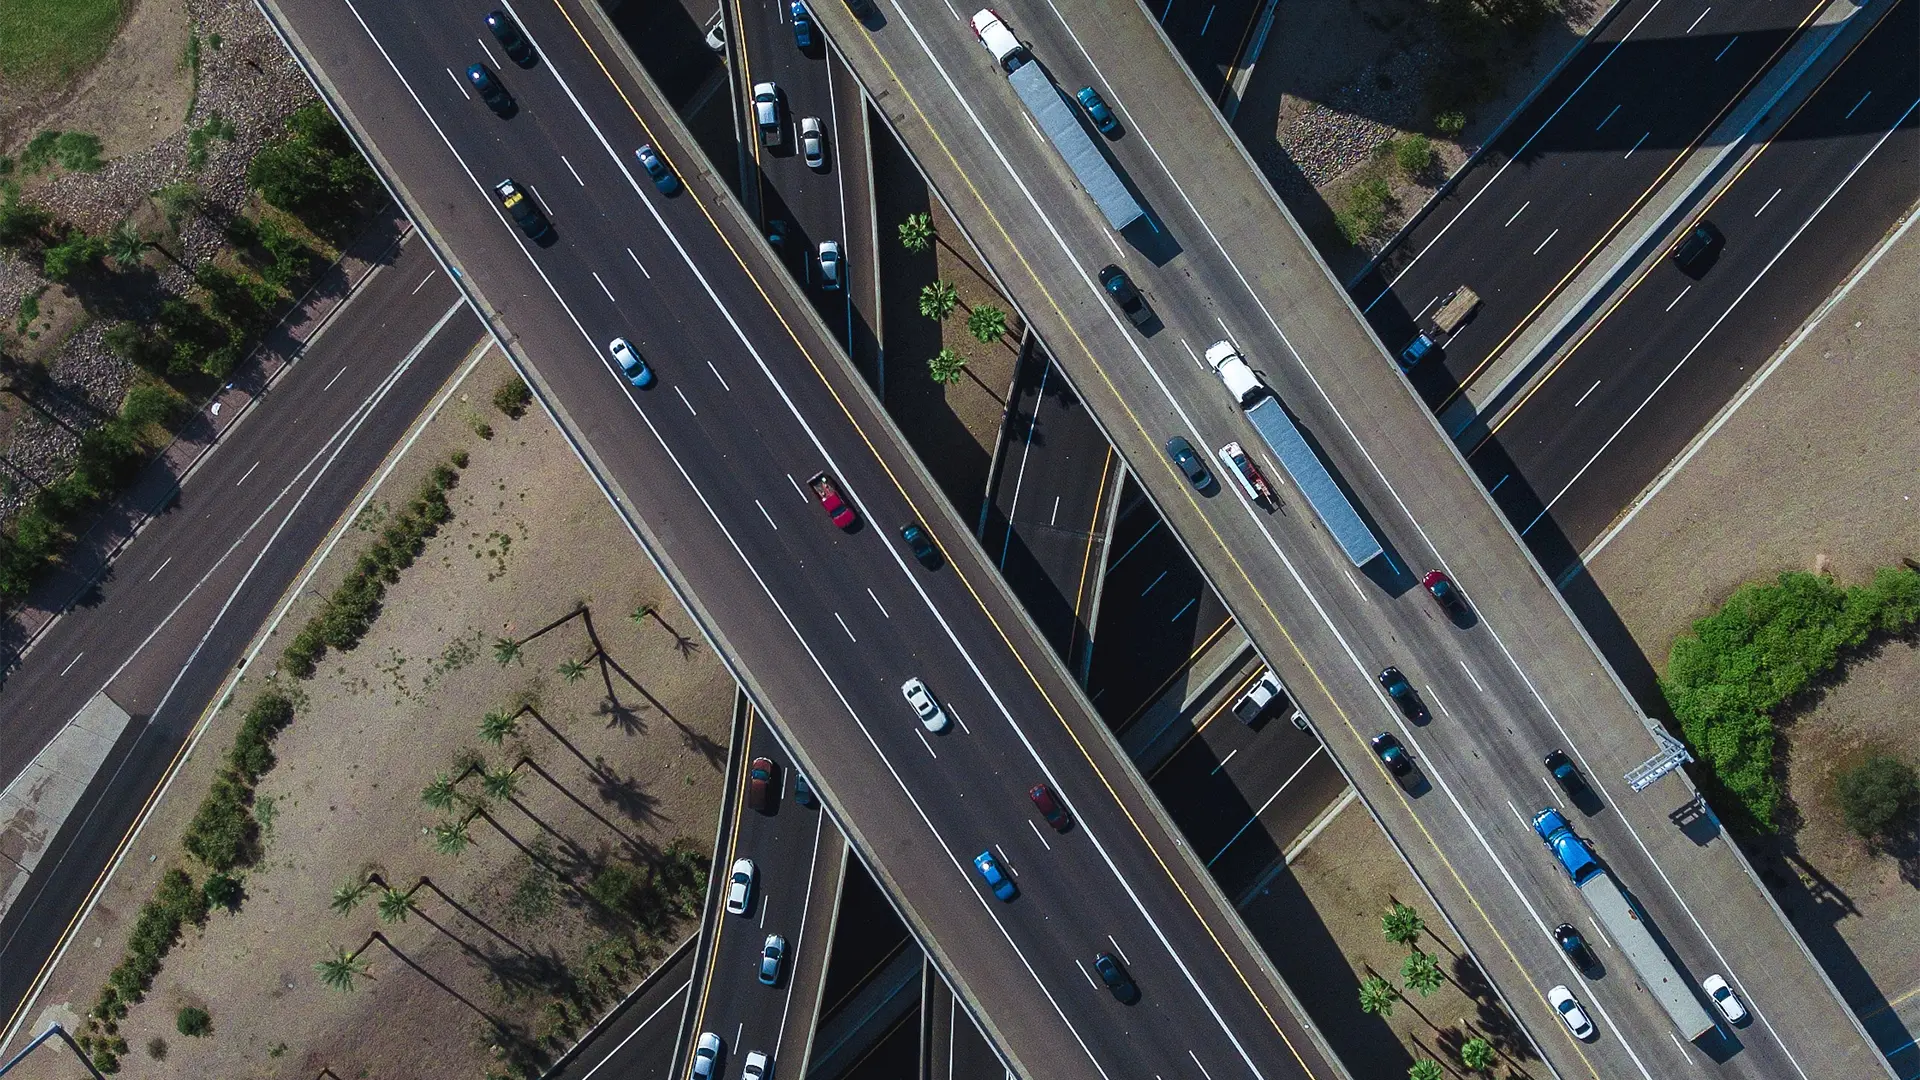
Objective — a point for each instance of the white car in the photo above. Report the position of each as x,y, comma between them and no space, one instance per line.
1725,999
813,143
1242,383
992,32
706,1056
1563,1003
766,112
636,369
831,265
755,1068
932,717
717,38
740,887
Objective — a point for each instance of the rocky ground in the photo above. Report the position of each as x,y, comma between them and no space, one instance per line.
142,102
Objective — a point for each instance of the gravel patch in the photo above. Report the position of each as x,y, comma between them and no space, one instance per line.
1334,136
251,82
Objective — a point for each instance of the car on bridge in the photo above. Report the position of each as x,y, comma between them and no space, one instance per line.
1446,593
1392,754
1182,453
766,112
1050,808
832,266
921,544
831,501
1561,768
1097,111
1124,296
634,368
1568,1007
802,24
740,886
1401,691
755,1067
760,784
772,953
525,212
706,1056
487,85
813,142
663,177
1116,978
507,33
932,716
996,878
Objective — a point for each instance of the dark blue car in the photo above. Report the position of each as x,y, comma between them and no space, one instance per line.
802,25
663,177
487,85
997,880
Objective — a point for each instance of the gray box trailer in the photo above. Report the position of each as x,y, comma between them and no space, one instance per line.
1062,125
1623,924
1342,519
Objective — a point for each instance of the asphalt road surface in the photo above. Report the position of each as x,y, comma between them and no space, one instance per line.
1516,680
1674,348
1567,173
636,1043
823,625
170,622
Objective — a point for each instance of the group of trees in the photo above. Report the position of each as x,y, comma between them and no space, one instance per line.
986,322
1766,645
1402,925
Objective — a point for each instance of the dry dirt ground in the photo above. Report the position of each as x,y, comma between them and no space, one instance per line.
1338,78
633,759
1816,470
1319,921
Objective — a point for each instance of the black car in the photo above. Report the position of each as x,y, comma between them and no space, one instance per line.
1693,253
1181,451
803,791
526,213
1131,303
507,33
1573,945
1565,773
1116,978
487,85
1391,753
921,545
1401,691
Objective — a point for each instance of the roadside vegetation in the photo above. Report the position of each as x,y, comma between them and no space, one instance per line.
1368,204
1768,644
46,42
312,185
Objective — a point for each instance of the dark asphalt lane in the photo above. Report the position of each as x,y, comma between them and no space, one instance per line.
636,1043
1211,36
1047,504
180,605
786,844
823,625
828,203
1637,388
1569,171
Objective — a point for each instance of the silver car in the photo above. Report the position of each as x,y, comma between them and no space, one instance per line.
813,143
832,267
932,717
766,112
771,955
706,1056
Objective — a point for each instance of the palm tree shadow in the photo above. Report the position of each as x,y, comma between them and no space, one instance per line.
592,764
715,753
608,663
497,1024
625,794
602,780
467,914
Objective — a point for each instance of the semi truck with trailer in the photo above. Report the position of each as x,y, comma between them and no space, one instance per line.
1270,419
1624,925
1058,120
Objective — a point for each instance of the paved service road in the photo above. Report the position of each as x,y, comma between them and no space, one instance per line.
1609,416
823,626
1567,173
637,1042
1514,681
186,597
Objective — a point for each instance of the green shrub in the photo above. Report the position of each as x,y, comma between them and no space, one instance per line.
1878,796
619,887
70,257
78,151
512,397
223,833
1413,154
1765,645
223,890
21,222
193,1022
314,172
39,151
150,404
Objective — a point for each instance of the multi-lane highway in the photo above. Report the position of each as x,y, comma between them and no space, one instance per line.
822,625
185,599
1570,171
1606,418
1516,680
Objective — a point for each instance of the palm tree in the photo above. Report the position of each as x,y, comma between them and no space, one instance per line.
640,613
987,324
1377,996
498,725
348,896
341,969
1477,1054
573,670
500,785
439,793
506,651
1421,972
126,246
1425,1069
946,367
916,233
937,299
451,837
1402,925
395,906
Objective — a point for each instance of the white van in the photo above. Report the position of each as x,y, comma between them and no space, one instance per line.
999,40
1232,368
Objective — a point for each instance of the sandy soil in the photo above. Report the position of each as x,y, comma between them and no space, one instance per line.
1319,921
135,97
1815,470
633,758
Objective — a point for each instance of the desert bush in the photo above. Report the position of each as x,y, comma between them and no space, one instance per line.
223,833
21,222
314,172
513,396
1450,123
223,890
1878,796
1766,644
193,1022
148,404
1413,154
72,256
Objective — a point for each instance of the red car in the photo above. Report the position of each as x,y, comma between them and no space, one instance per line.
1050,808
836,507
1445,591
760,784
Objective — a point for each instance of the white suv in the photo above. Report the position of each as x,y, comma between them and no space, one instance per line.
766,112
1232,368
993,33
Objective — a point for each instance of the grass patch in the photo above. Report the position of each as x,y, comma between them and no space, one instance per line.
1767,644
44,43
75,151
